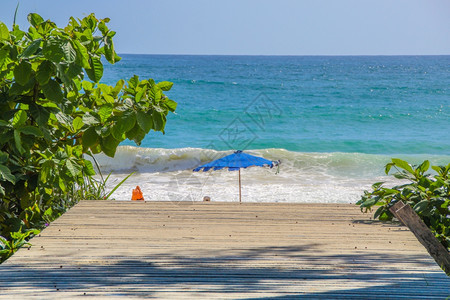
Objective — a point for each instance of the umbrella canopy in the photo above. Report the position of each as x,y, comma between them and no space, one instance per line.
234,162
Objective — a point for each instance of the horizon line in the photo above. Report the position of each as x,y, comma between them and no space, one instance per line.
317,55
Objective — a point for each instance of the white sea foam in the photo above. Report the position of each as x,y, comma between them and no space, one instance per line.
166,175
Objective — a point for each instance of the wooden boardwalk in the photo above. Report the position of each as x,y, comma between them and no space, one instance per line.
221,250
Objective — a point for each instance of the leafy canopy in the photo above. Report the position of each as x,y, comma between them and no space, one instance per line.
54,111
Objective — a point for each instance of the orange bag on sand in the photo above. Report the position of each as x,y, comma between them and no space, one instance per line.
137,194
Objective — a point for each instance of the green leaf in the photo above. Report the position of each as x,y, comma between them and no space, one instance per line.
31,130
165,85
31,49
155,93
70,53
73,71
73,167
88,168
87,86
40,114
77,124
20,117
109,50
46,170
5,174
4,32
52,50
89,138
82,54
145,121
123,125
18,142
22,72
403,164
44,72
109,145
421,206
89,119
52,91
172,105
95,72
424,167
133,82
17,89
105,112
159,121
64,119
34,19
3,157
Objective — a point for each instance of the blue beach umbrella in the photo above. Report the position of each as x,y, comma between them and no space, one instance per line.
236,161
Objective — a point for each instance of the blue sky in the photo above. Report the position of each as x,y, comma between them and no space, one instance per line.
263,27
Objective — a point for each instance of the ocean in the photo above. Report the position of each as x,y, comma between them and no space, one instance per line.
333,121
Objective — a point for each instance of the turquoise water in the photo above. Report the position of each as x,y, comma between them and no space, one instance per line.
334,122
365,104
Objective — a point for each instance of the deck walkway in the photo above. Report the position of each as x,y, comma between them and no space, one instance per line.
221,250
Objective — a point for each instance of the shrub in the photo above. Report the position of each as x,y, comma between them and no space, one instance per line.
51,117
428,195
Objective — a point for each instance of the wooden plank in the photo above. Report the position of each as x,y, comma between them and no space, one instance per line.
408,216
209,250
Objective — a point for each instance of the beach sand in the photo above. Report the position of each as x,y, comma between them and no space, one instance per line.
221,250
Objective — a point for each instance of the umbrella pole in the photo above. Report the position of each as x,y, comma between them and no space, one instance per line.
240,201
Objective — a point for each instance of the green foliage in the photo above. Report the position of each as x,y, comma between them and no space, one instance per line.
51,116
18,239
428,195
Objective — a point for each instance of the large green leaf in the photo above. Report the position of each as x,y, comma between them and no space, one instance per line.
52,90
109,50
31,49
44,72
423,167
109,145
70,53
82,57
22,72
90,137
403,164
88,168
31,130
34,19
165,85
73,167
90,119
4,32
53,49
20,117
64,119
46,170
124,124
95,72
18,142
421,206
145,121
105,112
171,105
17,89
40,114
159,121
77,124
5,174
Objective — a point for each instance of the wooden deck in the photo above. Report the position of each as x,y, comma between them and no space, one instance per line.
221,250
